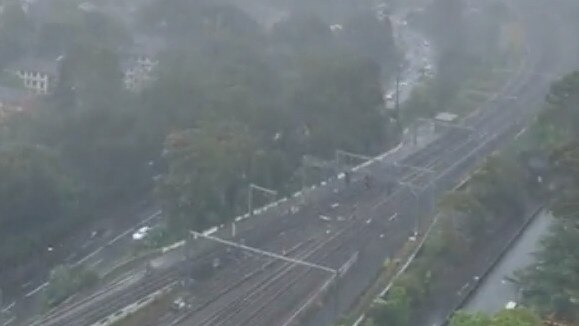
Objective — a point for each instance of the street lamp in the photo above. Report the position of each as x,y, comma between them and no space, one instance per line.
415,192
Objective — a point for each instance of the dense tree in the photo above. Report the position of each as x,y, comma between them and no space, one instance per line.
64,281
373,38
556,132
466,319
90,122
16,31
338,103
514,317
36,199
551,285
200,22
61,25
447,22
495,193
498,184
230,102
207,171
392,311
301,31
558,122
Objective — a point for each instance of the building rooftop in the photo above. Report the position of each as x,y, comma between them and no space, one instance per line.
146,45
48,66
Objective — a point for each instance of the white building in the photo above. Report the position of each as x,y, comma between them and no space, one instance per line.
37,75
140,61
138,72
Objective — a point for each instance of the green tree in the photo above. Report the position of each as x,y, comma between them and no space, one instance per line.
394,310
64,281
474,217
207,170
36,197
338,104
495,193
372,38
514,317
302,30
62,25
466,319
447,23
91,121
557,123
550,285
565,184
16,31
499,185
416,286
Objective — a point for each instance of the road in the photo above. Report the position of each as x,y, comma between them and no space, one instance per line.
496,290
361,225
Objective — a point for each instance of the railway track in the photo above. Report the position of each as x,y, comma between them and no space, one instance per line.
488,126
266,286
266,280
91,311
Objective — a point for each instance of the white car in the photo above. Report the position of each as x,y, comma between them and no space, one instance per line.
178,304
511,305
141,233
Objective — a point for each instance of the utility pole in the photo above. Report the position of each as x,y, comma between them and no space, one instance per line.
337,293
341,153
253,187
262,252
296,261
397,103
2,311
1,308
309,161
416,193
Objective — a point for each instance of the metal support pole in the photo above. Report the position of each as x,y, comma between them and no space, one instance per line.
337,295
304,178
340,153
397,105
416,195
417,214
415,133
253,187
312,162
262,252
1,308
250,200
